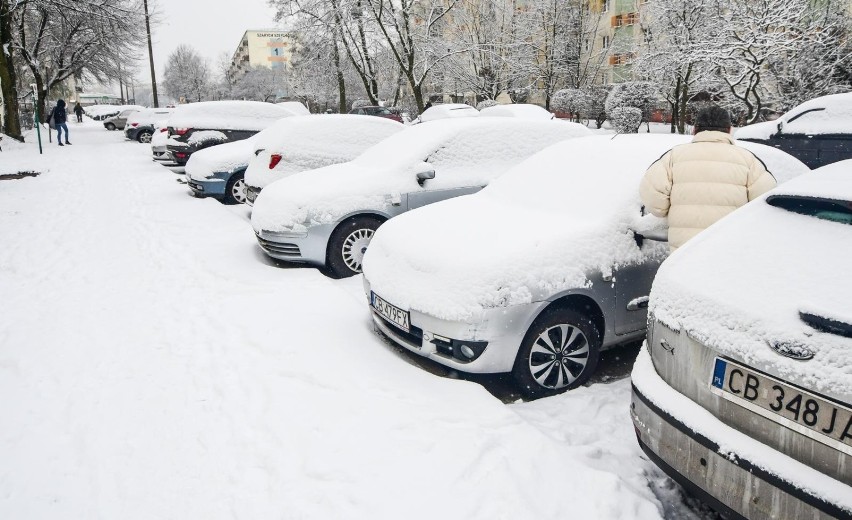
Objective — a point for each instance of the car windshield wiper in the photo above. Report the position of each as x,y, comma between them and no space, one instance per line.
824,324
834,210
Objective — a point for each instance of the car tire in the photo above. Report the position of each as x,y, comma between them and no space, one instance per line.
235,190
558,335
347,245
110,126
144,137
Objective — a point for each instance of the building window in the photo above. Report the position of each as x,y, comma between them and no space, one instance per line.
621,20
586,45
621,59
605,42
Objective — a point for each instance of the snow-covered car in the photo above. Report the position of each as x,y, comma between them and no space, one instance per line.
326,217
119,121
522,110
140,126
535,274
447,111
159,151
817,132
744,390
218,171
298,108
304,143
391,113
197,126
101,112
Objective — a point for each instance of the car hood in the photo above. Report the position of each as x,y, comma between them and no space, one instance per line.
457,258
224,158
757,131
740,286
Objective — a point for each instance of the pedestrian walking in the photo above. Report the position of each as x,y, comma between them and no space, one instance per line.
78,109
698,183
58,119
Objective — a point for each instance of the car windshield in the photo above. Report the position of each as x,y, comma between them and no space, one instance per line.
825,209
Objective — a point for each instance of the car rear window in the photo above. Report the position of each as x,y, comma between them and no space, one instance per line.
825,209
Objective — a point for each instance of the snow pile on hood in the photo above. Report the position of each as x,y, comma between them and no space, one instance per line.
539,229
525,111
826,115
298,109
160,137
311,142
228,115
463,153
206,136
149,116
223,158
781,165
448,111
741,285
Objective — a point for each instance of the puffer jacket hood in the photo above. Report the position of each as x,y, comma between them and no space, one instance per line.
698,183
61,103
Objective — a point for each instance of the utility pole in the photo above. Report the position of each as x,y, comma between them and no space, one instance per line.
151,55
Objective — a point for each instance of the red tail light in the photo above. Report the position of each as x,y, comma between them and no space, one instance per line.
274,159
180,155
164,129
182,131
134,125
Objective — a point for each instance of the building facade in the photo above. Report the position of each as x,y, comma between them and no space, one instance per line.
619,36
261,48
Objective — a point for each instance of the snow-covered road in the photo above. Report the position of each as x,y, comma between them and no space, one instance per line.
153,364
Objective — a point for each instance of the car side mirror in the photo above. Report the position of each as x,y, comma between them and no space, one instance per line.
780,126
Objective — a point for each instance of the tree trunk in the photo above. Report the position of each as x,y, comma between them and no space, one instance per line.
675,106
8,75
341,79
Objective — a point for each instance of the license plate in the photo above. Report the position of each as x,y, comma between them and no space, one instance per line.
390,312
816,417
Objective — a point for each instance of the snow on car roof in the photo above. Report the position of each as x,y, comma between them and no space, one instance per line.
537,229
741,285
296,107
150,116
522,110
228,115
463,152
309,142
822,115
448,110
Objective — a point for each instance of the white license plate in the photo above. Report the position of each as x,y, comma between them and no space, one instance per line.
816,417
390,312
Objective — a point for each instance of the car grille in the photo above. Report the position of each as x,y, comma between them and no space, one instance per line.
413,338
279,248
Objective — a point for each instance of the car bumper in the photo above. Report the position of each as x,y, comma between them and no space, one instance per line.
308,248
739,485
209,187
501,330
251,194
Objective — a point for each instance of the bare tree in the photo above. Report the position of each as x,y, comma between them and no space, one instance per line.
261,84
8,71
187,74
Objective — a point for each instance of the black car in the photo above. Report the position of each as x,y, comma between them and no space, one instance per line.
195,126
817,132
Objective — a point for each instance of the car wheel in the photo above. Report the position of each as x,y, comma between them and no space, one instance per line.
110,126
560,352
235,191
348,244
144,137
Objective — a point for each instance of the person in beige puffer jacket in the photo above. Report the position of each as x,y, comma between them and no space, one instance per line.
698,183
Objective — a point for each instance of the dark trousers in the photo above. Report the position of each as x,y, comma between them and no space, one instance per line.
59,128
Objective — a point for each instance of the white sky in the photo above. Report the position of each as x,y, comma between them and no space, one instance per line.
211,26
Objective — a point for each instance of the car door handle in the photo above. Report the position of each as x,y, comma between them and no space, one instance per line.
638,303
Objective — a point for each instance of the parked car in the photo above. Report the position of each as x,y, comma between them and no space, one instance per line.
306,143
386,112
101,112
817,132
158,143
447,111
118,122
298,108
140,126
743,393
522,110
326,217
197,126
536,274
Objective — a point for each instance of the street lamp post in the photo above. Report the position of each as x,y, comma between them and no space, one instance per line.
151,55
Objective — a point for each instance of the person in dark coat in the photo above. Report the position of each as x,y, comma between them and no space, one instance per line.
59,117
78,109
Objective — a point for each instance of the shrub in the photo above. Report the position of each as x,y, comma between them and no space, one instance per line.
570,100
485,103
626,120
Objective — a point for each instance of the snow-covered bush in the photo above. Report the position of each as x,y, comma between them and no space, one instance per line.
570,100
358,103
626,120
643,95
596,102
485,103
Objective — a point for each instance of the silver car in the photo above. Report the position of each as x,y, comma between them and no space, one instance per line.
536,274
744,394
327,217
118,122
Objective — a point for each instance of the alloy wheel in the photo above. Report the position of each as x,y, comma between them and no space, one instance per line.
355,246
145,138
558,357
238,191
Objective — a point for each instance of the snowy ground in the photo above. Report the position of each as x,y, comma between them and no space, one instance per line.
154,364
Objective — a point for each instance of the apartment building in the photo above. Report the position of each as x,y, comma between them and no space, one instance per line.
261,48
619,34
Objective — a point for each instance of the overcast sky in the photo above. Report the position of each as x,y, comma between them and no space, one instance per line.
211,26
